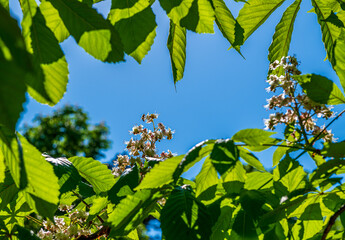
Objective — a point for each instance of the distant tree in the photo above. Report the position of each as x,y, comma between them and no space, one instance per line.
67,132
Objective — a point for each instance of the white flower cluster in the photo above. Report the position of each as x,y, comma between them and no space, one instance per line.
60,230
145,146
293,106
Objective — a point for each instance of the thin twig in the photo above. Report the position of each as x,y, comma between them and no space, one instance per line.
332,221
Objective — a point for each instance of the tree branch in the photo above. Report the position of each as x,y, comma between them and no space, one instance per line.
332,221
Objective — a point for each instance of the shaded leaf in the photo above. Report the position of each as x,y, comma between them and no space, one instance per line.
91,31
320,89
336,150
339,53
224,155
183,212
96,173
177,49
283,32
8,190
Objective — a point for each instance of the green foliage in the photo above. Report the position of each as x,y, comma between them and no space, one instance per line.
224,201
67,132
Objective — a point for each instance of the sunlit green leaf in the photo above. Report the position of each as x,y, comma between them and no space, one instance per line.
8,190
226,22
96,173
234,180
53,21
131,211
283,32
183,212
160,174
279,154
98,205
320,89
206,178
50,83
255,139
251,159
176,9
339,53
253,14
177,49
135,22
259,180
91,31
5,4
200,17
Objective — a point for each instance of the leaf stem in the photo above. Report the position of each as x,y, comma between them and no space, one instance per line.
87,205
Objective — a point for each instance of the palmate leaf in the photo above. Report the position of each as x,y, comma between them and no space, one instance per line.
339,54
320,89
226,22
131,211
200,17
177,49
49,85
15,63
53,21
253,14
136,24
161,174
184,217
96,173
91,31
250,158
283,32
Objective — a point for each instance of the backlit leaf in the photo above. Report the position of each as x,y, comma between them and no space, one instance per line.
255,139
206,178
250,158
96,173
283,32
177,49
320,89
224,156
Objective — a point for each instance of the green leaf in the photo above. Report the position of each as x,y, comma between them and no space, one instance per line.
206,178
5,4
177,49
330,33
251,159
184,218
200,17
253,14
98,205
234,181
258,180
193,156
336,150
50,84
327,169
2,167
68,175
131,211
24,233
136,24
161,174
176,9
53,21
224,156
279,154
282,36
91,31
42,181
320,89
255,139
129,179
226,22
15,63
8,190
96,173
243,227
339,54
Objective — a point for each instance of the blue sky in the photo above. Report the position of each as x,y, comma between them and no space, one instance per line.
220,94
